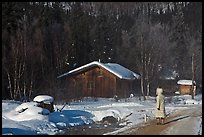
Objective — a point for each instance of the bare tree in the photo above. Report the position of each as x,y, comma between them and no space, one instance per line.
150,42
195,51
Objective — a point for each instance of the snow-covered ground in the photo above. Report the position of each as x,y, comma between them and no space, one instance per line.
35,120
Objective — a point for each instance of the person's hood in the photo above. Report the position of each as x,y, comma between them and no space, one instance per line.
159,91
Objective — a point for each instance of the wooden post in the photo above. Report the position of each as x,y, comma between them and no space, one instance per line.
145,118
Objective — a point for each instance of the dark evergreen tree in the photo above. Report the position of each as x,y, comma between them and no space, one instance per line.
41,40
80,34
179,44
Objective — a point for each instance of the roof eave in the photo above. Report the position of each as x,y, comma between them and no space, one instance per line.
92,64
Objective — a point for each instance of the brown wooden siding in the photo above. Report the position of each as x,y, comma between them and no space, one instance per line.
124,87
108,83
185,89
95,82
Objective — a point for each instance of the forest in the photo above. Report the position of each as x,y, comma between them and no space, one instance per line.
42,40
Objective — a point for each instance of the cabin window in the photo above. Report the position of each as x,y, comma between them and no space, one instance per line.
91,85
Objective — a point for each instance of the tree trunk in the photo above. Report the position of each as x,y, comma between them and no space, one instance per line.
31,86
142,69
10,87
148,84
24,89
192,88
142,88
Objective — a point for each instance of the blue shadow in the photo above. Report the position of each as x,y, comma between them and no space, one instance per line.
17,131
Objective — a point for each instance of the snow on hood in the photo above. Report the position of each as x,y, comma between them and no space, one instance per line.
43,98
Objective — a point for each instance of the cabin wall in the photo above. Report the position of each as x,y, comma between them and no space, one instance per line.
185,89
106,83
136,87
96,82
124,87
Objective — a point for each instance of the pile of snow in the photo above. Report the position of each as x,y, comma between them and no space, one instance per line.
197,99
192,101
25,106
27,111
99,115
184,99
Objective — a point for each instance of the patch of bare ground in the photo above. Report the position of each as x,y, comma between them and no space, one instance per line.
149,128
95,129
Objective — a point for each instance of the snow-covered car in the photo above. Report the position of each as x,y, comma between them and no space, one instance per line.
45,101
41,104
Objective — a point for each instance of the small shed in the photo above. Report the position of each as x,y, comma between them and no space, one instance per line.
185,87
45,101
98,79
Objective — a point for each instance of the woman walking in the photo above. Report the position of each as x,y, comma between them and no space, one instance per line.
160,106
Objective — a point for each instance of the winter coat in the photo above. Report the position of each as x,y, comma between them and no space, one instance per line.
160,104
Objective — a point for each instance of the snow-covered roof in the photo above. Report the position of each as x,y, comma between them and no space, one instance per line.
185,82
43,98
116,69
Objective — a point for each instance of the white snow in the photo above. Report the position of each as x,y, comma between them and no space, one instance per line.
120,71
24,106
38,121
184,82
43,98
191,126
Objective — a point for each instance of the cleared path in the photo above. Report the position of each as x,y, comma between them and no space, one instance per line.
184,122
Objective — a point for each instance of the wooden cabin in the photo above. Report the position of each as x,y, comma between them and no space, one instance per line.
185,87
97,79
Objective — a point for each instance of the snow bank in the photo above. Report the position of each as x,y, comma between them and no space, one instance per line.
99,115
10,127
192,101
187,99
36,110
126,104
32,113
24,106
